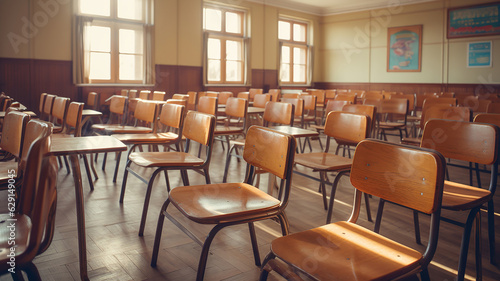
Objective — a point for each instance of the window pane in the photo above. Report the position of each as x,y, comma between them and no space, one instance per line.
213,19
95,7
285,72
130,9
299,55
233,22
131,67
299,73
100,66
214,49
285,54
299,32
100,38
213,73
284,30
233,50
233,71
130,41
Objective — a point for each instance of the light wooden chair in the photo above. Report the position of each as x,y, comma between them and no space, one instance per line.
224,96
343,127
352,252
58,113
47,107
93,101
252,92
42,104
35,216
207,105
493,108
331,105
364,109
275,94
243,95
392,117
11,146
471,142
192,100
144,94
198,127
274,113
236,203
159,95
235,122
260,100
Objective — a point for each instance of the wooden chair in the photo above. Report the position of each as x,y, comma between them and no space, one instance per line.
252,92
346,97
331,105
352,252
42,104
198,127
298,105
47,107
482,106
364,109
372,95
93,101
447,94
243,95
260,100
58,115
310,110
275,94
290,96
274,113
132,94
341,126
207,105
116,114
393,114
192,100
224,96
35,216
493,108
236,203
144,94
235,122
471,142
11,145
124,92
159,95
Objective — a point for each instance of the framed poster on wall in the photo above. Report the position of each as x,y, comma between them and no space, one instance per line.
479,54
404,48
477,20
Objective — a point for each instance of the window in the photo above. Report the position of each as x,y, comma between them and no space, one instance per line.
225,45
294,66
113,41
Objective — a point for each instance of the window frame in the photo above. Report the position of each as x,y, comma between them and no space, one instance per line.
115,24
223,36
291,44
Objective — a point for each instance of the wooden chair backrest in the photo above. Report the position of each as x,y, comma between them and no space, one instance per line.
243,95
309,102
275,94
13,131
290,96
47,107
444,111
223,96
192,100
320,96
279,112
172,115
386,170
342,91
176,101
346,97
37,196
117,105
236,108
260,100
180,97
252,92
364,109
409,97
270,150
490,118
447,94
124,92
483,105
132,94
146,111
74,118
208,105
298,105
199,127
93,100
434,100
330,94
34,129
335,105
60,108
493,108
212,94
396,106
422,97
144,94
347,127
42,102
159,95
467,141
373,95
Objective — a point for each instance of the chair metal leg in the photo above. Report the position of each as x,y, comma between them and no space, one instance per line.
118,156
32,272
323,189
424,275
124,181
159,229
146,201
264,271
332,195
205,250
491,231
368,211
255,246
478,175
87,169
416,225
92,166
165,172
285,226
378,219
464,247
207,175
66,164
104,161
478,246
185,179
226,167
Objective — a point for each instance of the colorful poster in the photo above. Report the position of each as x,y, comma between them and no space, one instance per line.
478,20
479,54
404,48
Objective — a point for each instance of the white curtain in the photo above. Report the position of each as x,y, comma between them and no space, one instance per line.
280,47
310,68
149,42
81,50
205,58
247,76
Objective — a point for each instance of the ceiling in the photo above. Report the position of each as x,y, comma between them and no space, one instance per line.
329,7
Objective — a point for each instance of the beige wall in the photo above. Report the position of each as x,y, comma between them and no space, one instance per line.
354,47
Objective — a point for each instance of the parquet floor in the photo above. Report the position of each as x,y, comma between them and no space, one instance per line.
116,252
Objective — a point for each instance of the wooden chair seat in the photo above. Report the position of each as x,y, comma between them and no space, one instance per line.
155,159
127,130
219,130
147,138
389,125
217,203
323,161
458,197
345,245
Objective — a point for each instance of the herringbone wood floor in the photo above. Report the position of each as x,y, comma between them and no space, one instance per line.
116,252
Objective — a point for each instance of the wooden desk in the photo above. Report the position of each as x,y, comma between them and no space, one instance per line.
73,147
89,113
296,133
